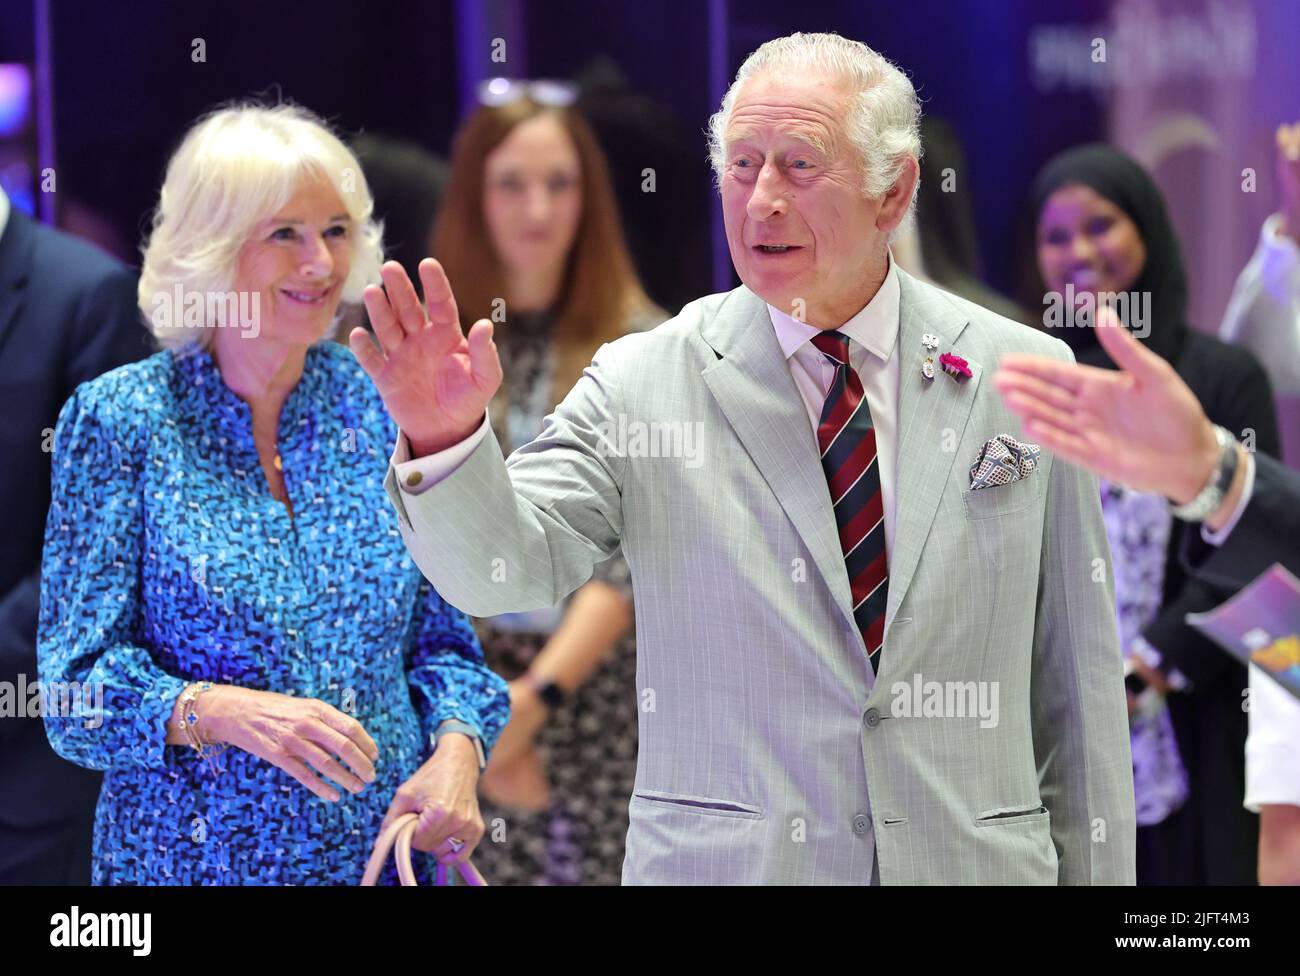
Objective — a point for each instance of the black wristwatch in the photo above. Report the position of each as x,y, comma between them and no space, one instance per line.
551,694
454,725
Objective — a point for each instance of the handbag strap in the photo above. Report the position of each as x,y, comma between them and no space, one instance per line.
399,834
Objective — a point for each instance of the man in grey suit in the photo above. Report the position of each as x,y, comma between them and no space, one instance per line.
876,632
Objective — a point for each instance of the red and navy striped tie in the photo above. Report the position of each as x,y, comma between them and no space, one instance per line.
846,438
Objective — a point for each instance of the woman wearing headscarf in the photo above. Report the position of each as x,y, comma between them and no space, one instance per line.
269,673
1102,230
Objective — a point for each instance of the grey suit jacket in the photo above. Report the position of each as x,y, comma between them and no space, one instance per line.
768,754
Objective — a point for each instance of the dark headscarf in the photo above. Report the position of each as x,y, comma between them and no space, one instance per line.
1125,184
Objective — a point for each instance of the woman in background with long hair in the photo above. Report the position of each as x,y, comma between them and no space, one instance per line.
529,236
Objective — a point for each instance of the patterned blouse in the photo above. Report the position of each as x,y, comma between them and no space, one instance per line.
167,560
1138,525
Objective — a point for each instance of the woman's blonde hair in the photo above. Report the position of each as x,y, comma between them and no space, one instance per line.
236,167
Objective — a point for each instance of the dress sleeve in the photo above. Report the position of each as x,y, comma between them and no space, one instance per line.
446,672
107,701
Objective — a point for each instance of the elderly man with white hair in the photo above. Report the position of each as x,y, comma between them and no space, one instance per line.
876,631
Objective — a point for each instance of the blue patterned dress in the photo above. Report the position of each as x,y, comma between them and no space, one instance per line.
167,560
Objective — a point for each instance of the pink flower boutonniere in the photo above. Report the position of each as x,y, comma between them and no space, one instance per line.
954,366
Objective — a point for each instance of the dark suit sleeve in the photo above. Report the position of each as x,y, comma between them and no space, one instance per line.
1268,532
18,610
1243,404
1181,646
102,329
107,331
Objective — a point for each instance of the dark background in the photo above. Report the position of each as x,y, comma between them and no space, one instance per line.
125,88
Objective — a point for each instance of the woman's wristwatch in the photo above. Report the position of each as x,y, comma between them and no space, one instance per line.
453,725
1216,488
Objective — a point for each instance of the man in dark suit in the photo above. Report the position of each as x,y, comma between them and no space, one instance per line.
67,313
1267,531
1141,425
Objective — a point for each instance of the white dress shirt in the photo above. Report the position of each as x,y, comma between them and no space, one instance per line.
1272,756
873,336
1263,313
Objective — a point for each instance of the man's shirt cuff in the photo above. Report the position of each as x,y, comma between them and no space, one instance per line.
1247,489
418,475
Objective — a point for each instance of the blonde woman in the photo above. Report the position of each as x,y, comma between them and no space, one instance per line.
269,673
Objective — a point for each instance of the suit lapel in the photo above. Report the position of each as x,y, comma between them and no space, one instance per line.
754,389
932,417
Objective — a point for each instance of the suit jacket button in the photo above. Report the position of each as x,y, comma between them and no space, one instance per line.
872,718
861,823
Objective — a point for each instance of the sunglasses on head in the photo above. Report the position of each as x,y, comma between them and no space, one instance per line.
496,92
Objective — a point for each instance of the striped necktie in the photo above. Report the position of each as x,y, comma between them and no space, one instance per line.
846,438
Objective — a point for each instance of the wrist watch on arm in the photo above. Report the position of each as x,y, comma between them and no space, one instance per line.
551,694
452,725
1216,488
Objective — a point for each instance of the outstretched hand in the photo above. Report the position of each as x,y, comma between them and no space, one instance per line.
1140,425
435,381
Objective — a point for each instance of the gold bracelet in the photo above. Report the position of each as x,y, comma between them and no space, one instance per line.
189,722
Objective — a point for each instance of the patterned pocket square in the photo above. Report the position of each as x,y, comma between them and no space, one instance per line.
1002,460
